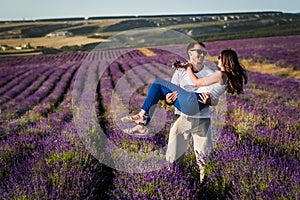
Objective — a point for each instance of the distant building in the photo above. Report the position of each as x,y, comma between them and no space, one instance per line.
4,47
18,48
24,46
59,33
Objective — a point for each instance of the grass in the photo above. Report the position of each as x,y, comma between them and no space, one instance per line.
146,52
271,69
205,24
257,32
54,42
25,52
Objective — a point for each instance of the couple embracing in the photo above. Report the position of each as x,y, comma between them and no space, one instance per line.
193,88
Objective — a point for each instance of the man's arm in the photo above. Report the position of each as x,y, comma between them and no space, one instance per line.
213,101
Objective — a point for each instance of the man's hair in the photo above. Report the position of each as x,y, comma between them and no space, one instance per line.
192,44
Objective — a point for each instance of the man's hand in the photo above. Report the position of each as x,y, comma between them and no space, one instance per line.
205,98
171,97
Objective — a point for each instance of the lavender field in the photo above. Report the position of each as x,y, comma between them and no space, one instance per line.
42,156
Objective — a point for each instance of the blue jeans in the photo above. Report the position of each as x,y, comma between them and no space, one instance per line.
186,102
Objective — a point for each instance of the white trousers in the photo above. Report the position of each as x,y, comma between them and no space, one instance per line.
181,132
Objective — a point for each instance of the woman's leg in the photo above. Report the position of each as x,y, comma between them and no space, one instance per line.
186,102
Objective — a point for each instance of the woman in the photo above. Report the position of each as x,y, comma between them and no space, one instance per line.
231,78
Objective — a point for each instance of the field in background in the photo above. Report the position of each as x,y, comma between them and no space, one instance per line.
84,34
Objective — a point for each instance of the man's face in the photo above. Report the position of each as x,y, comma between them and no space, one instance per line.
197,54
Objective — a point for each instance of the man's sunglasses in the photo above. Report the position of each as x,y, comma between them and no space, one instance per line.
200,51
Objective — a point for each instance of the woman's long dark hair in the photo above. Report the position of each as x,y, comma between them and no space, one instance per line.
236,73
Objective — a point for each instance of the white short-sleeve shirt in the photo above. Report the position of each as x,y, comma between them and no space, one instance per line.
182,78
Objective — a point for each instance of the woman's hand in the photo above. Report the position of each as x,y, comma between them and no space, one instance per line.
187,65
178,65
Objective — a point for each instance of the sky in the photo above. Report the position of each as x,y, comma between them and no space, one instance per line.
43,9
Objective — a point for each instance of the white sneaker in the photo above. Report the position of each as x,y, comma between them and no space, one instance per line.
138,130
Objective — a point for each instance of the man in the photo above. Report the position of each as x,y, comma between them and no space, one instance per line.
197,127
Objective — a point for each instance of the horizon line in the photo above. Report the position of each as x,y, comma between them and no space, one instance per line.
137,16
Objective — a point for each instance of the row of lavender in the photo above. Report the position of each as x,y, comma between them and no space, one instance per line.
27,137
282,51
258,154
41,153
42,157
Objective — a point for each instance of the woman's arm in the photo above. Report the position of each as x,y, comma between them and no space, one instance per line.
208,80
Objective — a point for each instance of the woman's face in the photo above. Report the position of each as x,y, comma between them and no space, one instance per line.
220,65
197,54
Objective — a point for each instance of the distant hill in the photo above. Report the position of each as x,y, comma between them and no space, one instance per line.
204,27
130,24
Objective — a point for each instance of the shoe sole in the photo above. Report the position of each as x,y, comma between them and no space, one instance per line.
130,120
